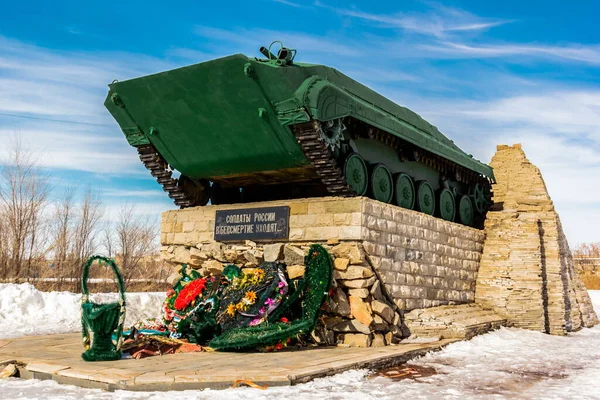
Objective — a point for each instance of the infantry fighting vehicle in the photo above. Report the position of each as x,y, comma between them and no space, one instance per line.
239,129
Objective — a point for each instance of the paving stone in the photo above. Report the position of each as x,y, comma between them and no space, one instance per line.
45,367
207,369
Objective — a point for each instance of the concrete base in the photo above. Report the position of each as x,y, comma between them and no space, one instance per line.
57,357
462,321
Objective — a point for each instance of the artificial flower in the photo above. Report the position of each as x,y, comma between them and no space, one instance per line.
284,320
251,297
270,302
189,293
231,309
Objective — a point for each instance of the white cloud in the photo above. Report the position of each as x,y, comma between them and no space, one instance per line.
55,102
249,40
21,95
439,21
289,3
152,211
134,193
572,52
560,134
562,112
75,147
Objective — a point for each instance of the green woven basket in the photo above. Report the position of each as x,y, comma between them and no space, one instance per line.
101,321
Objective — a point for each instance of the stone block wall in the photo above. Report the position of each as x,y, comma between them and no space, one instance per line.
424,261
421,260
526,272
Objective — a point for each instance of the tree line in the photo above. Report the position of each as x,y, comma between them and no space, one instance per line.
49,233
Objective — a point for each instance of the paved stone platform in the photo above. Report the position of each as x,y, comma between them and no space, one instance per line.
57,357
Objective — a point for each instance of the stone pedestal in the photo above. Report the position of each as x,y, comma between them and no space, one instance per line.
387,259
526,273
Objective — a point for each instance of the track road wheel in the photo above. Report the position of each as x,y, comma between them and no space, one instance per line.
480,199
382,185
465,211
447,205
198,191
404,192
355,172
425,198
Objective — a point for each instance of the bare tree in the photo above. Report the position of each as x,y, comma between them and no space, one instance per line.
4,244
108,239
86,230
587,250
135,237
24,191
63,220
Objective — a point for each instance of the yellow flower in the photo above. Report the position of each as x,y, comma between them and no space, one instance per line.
231,309
241,306
251,297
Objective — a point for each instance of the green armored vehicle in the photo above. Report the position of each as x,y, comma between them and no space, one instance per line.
240,129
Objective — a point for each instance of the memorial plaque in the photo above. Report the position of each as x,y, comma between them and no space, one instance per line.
252,223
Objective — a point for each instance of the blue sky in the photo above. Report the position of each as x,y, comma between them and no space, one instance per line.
484,72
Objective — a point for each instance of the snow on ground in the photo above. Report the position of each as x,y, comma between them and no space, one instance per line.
26,311
509,363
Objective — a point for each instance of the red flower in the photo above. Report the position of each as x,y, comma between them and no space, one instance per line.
189,293
278,346
284,320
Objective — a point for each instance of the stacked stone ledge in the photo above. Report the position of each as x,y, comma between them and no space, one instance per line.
526,273
387,261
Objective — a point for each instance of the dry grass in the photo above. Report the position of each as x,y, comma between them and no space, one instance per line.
94,287
591,282
149,275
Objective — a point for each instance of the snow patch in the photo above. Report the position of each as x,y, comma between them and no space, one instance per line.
508,363
24,310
